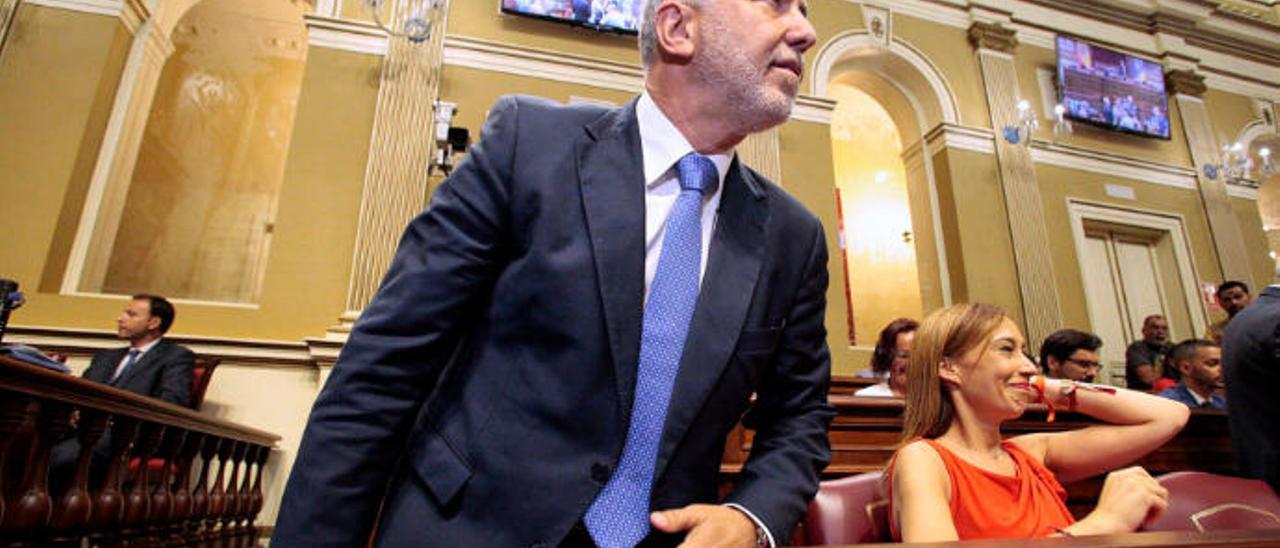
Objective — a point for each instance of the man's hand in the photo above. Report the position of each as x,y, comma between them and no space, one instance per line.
708,525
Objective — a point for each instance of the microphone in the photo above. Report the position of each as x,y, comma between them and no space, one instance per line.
8,300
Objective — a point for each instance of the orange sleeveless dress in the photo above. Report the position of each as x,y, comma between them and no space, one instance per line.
1029,504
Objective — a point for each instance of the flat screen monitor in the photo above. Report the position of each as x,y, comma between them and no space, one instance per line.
610,15
1110,89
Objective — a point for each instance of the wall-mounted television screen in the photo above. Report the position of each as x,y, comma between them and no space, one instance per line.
1107,88
612,15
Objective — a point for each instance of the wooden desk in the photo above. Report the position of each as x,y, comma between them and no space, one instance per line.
866,431
1236,539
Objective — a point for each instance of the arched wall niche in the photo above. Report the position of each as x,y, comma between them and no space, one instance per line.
919,100
185,203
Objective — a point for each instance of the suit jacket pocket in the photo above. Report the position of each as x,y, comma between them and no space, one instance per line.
439,466
759,341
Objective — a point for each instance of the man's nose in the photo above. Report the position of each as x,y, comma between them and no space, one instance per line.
801,35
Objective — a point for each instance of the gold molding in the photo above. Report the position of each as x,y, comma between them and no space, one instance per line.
1023,205
992,36
1185,82
400,154
1224,228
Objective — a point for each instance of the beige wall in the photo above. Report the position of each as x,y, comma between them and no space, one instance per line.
55,98
306,280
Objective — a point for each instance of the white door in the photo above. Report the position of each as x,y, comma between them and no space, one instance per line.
1122,287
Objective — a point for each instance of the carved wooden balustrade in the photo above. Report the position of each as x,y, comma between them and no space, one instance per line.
173,476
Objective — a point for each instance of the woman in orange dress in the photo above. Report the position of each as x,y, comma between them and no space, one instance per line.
956,478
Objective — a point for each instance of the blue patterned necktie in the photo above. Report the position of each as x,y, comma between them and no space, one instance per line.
619,517
133,356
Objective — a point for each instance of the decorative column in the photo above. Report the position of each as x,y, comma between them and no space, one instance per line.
995,45
760,151
1188,90
109,185
400,153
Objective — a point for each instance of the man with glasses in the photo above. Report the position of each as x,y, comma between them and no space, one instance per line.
1071,354
1143,358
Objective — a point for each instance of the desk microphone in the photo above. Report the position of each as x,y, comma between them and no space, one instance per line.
8,298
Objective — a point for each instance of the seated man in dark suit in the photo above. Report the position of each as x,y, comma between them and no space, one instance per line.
1199,364
150,366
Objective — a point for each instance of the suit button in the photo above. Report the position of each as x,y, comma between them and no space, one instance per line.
600,472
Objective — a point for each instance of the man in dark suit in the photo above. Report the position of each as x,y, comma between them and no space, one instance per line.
1251,363
570,330
150,366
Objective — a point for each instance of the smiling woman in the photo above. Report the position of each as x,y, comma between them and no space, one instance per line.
956,478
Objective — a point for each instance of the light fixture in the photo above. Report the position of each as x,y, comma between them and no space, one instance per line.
1019,133
1061,127
1233,164
415,18
1266,168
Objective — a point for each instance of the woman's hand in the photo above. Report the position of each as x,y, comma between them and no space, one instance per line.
1130,497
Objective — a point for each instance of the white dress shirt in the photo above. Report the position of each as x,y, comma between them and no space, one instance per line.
142,351
663,145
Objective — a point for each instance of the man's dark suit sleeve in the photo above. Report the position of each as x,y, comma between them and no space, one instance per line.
444,267
791,414
175,376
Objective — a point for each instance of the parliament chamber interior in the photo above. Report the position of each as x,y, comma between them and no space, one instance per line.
1082,164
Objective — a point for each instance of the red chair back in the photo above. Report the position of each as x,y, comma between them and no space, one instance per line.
848,510
1200,501
201,373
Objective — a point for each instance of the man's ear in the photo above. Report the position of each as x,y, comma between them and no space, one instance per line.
675,26
949,372
1183,367
153,323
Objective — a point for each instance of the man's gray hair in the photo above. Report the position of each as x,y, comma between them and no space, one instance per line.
648,34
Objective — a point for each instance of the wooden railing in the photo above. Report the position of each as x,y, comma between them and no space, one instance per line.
173,476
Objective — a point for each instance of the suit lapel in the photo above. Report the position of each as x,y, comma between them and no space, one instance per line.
611,174
104,365
737,253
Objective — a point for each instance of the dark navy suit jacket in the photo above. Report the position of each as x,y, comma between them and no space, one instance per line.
1251,365
484,395
1182,394
164,372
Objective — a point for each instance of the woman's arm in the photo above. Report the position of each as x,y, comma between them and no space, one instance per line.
922,495
1139,424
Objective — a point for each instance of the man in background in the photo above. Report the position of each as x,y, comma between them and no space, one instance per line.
1232,297
1144,358
150,365
583,313
1251,364
1199,366
1071,354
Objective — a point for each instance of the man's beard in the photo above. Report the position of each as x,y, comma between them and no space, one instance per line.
753,103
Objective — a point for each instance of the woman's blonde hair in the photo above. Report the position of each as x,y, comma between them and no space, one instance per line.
946,333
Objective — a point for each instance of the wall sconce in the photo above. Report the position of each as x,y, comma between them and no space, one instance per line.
415,14
1265,166
450,141
1061,127
1233,164
1020,132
